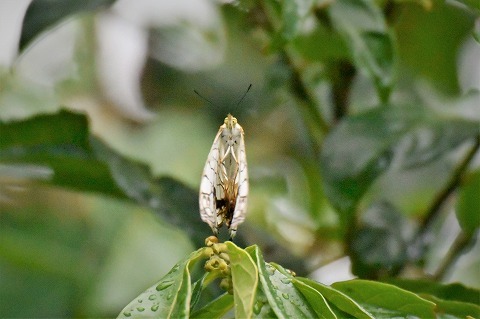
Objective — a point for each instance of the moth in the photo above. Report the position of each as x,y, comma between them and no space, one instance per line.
224,184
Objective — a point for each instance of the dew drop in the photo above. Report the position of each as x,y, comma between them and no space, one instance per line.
285,295
127,314
270,270
286,281
164,285
140,309
169,296
154,308
152,297
140,300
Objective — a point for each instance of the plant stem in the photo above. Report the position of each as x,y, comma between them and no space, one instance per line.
448,190
458,247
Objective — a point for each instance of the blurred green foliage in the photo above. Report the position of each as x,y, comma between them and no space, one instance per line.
362,135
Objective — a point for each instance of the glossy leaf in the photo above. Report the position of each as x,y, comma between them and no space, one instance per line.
454,292
42,15
337,298
316,300
362,25
455,309
245,280
384,300
215,309
468,205
284,299
169,298
60,143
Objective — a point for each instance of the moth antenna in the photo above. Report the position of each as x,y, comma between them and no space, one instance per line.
244,94
203,98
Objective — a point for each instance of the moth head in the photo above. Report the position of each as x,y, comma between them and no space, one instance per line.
230,121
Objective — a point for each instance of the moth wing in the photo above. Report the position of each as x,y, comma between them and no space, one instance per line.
242,192
208,185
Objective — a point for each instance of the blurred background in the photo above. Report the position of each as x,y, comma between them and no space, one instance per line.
361,131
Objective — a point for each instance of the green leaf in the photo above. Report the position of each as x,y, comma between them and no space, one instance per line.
42,15
245,280
337,298
468,205
454,292
215,309
384,300
170,199
169,298
316,300
377,247
362,25
424,49
58,142
362,147
457,309
284,299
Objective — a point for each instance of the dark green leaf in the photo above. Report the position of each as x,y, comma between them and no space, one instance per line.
58,142
362,147
468,205
454,292
215,309
44,14
169,298
284,299
245,280
377,247
386,301
172,200
337,298
362,25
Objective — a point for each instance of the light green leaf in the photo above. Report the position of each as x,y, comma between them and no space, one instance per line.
169,298
456,309
337,298
245,280
454,292
384,300
284,299
215,309
316,300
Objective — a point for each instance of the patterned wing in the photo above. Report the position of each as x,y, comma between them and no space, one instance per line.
207,198
242,192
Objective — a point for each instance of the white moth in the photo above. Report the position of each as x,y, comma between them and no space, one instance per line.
224,185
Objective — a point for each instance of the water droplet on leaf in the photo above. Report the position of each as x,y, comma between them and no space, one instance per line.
152,297
164,285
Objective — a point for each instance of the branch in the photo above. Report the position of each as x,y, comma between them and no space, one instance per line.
461,242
